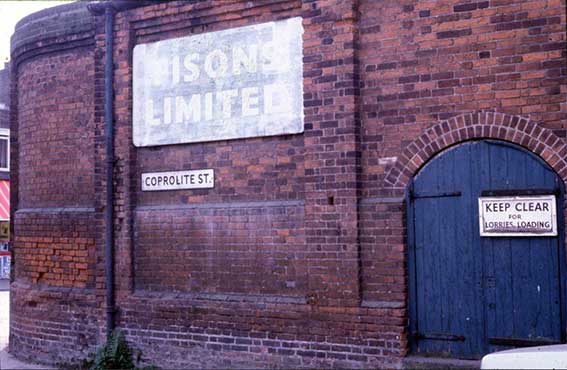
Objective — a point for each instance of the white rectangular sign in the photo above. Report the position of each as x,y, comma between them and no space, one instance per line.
177,180
237,83
518,216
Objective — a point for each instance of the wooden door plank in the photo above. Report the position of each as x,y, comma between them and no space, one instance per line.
442,255
475,288
524,269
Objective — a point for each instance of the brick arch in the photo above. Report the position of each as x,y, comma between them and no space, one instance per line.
490,125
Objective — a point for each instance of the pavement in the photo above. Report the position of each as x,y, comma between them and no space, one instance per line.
7,361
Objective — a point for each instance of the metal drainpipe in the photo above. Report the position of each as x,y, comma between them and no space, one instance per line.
109,8
109,136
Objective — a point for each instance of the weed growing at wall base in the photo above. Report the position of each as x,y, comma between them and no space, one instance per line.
114,354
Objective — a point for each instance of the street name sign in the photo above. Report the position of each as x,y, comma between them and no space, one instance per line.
178,180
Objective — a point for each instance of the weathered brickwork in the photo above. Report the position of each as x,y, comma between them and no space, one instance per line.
297,256
55,247
245,329
238,247
52,200
53,325
58,132
432,74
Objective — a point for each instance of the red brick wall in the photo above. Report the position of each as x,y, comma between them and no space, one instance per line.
268,260
55,115
249,228
53,222
423,62
54,316
297,256
53,325
223,248
55,247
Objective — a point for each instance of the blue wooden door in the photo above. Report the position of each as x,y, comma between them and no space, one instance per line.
470,295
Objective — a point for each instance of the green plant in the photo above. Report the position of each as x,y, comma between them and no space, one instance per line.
115,354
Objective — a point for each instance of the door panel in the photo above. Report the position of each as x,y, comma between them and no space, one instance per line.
445,266
447,274
522,301
472,295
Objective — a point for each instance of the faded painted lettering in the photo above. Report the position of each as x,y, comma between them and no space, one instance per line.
242,82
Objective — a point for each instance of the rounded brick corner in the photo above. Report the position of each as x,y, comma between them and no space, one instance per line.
51,26
478,125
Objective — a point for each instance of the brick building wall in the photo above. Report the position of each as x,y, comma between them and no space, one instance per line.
4,118
5,260
5,96
439,65
297,257
54,230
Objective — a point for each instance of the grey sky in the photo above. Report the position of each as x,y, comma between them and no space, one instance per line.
11,11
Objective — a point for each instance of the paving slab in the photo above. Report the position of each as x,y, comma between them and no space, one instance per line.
7,361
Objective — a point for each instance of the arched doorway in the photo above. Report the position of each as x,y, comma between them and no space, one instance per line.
471,294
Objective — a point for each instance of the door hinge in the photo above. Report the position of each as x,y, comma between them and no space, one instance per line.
439,336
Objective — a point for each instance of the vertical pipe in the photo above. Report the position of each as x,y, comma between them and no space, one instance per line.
109,138
108,8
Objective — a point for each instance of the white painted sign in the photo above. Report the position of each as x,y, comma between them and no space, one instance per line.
237,83
177,180
518,216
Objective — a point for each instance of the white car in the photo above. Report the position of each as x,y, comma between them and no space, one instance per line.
544,357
